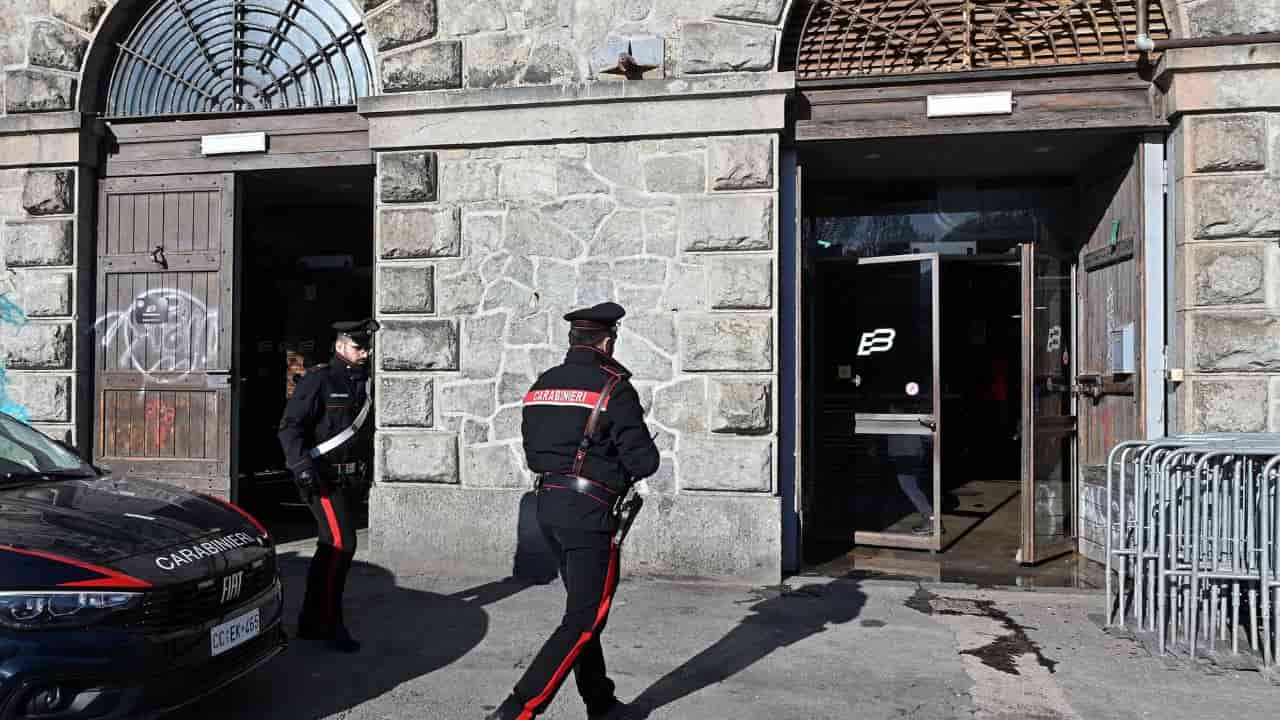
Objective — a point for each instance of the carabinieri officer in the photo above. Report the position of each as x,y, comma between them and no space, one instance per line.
585,437
327,437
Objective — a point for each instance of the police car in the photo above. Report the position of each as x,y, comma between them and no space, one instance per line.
122,598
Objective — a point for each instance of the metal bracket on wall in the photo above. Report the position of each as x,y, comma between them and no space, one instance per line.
1113,254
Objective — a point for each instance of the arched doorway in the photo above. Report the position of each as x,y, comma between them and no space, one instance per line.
234,224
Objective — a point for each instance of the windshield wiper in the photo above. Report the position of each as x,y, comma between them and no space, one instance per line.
37,475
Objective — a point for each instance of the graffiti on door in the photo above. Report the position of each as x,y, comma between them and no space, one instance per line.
165,333
160,417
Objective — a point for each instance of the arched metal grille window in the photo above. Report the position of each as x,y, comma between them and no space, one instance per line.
200,56
854,38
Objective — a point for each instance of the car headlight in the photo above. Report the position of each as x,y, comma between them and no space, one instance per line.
51,610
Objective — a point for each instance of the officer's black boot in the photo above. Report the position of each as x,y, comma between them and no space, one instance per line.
313,623
619,711
340,638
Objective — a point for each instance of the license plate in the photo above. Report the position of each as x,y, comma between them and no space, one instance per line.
235,632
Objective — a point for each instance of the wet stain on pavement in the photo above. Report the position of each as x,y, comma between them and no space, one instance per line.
872,623
1001,653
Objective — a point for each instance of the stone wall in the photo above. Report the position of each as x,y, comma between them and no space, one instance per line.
43,44
1225,163
1209,18
440,44
482,250
424,45
37,294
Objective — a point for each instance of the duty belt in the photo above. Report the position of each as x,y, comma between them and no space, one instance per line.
351,468
600,493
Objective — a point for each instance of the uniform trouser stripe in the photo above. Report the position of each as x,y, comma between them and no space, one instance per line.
602,612
335,532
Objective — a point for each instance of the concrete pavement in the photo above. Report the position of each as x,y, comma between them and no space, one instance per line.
816,648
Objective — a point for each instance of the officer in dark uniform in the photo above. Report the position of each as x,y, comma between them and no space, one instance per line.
585,437
327,436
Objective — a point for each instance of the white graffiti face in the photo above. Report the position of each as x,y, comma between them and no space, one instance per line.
165,334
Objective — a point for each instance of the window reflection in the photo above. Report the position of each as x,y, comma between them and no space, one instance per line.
862,220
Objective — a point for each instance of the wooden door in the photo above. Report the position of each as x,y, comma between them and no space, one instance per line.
1110,277
164,335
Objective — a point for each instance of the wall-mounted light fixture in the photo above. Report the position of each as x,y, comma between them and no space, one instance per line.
232,143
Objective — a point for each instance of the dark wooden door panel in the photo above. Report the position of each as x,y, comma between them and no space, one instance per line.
163,351
1110,298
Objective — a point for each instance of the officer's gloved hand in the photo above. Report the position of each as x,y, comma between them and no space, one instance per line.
307,480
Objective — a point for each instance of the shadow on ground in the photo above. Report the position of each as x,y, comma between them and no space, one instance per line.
780,618
410,633
406,634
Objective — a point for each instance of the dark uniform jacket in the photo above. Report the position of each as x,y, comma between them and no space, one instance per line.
325,402
555,415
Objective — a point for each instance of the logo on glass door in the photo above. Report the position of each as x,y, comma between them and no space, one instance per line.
880,340
1055,339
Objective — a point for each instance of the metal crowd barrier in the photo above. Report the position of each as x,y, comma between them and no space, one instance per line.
1192,556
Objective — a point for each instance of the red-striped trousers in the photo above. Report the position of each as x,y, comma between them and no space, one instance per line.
589,568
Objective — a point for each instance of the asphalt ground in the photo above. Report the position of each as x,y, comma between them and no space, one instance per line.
814,648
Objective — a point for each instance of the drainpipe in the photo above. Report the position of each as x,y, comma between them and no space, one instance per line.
1219,41
1144,42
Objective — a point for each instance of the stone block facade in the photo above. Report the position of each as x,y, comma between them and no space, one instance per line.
1226,291
38,285
682,232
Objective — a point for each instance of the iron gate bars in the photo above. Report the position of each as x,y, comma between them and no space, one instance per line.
206,56
852,38
1196,540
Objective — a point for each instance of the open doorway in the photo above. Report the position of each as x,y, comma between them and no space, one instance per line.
981,408
307,261
887,477
926,300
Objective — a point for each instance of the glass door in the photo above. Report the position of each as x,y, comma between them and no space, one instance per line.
1049,424
896,373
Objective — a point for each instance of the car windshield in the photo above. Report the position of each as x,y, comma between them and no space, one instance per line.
25,452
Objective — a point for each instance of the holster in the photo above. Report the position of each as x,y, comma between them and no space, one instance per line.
625,512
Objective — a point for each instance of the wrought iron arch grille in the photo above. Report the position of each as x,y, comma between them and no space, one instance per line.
203,56
853,38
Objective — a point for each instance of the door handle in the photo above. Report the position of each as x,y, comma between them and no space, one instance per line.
929,423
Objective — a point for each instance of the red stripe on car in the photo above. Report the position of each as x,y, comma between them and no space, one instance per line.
112,578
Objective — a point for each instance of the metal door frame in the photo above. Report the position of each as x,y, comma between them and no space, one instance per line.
1028,554
912,424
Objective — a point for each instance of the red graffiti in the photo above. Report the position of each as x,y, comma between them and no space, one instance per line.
161,416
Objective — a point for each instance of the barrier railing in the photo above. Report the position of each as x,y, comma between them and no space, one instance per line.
1192,528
